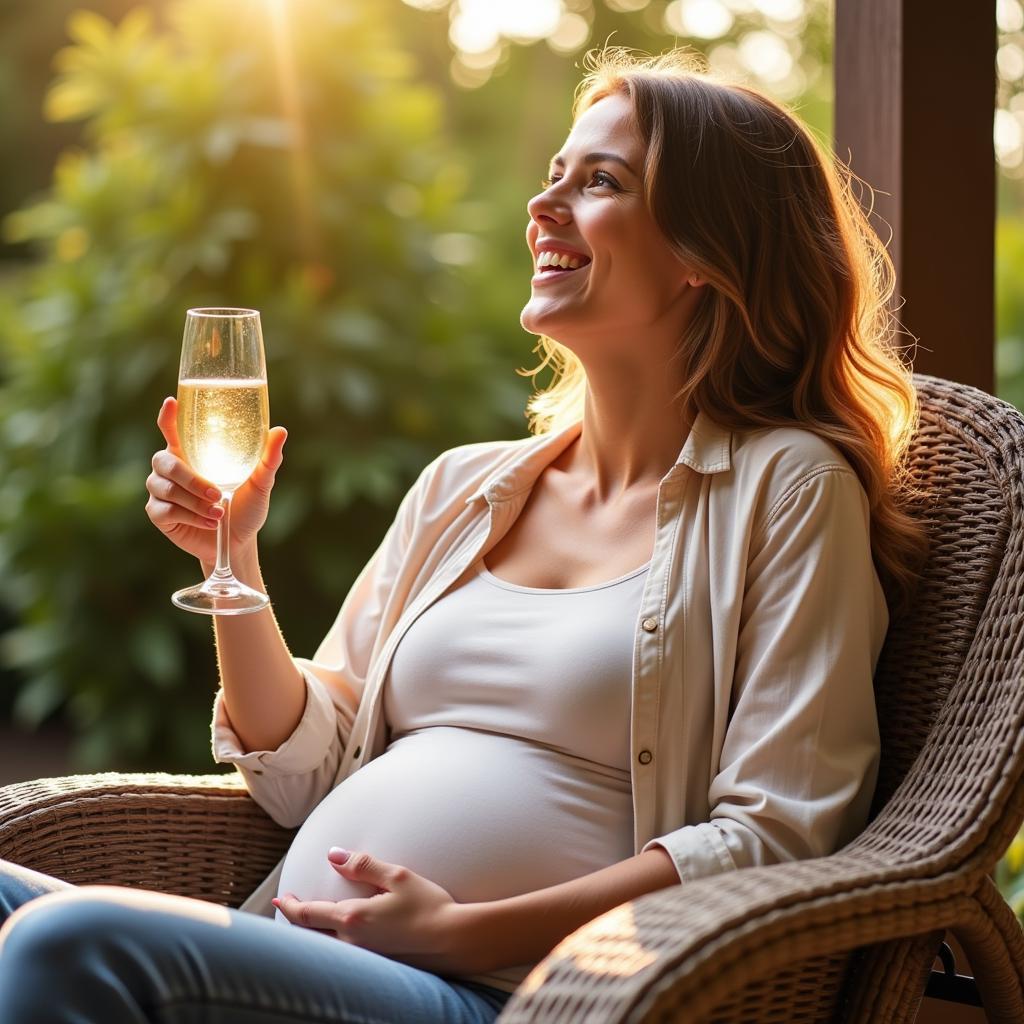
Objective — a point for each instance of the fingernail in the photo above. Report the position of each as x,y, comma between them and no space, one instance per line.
338,854
212,492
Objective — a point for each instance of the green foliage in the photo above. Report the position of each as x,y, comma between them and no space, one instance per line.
299,168
1010,310
1010,876
1010,387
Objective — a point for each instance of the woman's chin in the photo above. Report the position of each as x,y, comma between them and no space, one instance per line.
537,320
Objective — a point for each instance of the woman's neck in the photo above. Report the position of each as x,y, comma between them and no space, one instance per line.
631,437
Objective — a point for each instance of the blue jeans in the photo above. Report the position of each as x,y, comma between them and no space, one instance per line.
116,955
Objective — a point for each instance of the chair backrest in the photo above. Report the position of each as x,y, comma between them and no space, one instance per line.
950,678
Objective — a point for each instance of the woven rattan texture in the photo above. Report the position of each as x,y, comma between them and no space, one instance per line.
199,836
808,990
948,682
923,655
995,944
884,981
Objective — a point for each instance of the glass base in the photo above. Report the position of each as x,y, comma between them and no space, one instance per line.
226,596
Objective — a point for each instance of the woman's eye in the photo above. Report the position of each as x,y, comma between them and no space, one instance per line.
609,180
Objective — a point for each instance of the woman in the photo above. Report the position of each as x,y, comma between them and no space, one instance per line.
631,650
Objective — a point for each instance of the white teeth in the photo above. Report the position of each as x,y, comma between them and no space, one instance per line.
547,258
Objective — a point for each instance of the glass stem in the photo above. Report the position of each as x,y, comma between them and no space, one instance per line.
222,570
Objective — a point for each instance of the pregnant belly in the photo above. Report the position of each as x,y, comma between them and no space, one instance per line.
483,815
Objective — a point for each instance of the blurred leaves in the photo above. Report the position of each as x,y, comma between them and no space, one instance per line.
1010,309
1010,386
1010,876
209,176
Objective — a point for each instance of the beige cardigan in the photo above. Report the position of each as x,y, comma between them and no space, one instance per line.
754,736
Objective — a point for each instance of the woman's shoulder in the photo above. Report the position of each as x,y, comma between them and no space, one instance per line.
464,467
790,447
772,463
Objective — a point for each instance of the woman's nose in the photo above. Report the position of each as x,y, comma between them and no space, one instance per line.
546,205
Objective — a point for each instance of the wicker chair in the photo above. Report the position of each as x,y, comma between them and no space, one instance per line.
846,938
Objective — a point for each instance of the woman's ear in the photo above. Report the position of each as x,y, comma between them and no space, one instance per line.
695,281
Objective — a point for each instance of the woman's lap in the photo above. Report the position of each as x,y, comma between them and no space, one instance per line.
116,954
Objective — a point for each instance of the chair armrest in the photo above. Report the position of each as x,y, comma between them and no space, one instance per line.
687,951
191,835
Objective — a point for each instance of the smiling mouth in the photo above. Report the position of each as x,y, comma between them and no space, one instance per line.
561,270
552,263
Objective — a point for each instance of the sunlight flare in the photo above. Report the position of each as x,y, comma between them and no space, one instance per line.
279,16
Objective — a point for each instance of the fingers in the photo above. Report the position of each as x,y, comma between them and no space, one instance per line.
178,496
320,915
270,462
164,489
175,470
172,480
167,421
165,515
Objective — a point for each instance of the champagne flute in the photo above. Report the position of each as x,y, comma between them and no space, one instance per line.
223,420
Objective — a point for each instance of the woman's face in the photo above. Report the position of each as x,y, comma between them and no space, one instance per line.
630,279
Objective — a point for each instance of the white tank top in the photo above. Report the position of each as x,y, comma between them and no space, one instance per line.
508,766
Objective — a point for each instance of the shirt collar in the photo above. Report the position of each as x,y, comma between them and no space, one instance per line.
707,449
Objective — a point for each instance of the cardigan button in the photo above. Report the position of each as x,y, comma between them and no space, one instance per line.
650,624
355,753
645,757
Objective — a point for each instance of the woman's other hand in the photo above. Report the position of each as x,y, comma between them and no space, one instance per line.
183,506
410,919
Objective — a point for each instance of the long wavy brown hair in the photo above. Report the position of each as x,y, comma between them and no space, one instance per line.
794,327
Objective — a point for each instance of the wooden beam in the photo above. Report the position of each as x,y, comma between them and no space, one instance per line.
915,89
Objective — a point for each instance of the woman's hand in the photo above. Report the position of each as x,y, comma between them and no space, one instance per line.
182,504
411,919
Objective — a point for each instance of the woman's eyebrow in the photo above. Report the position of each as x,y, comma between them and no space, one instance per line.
593,158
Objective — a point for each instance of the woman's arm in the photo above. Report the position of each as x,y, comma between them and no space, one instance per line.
288,747
800,756
264,692
263,687
524,929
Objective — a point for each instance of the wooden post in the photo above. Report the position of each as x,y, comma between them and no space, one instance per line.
915,88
